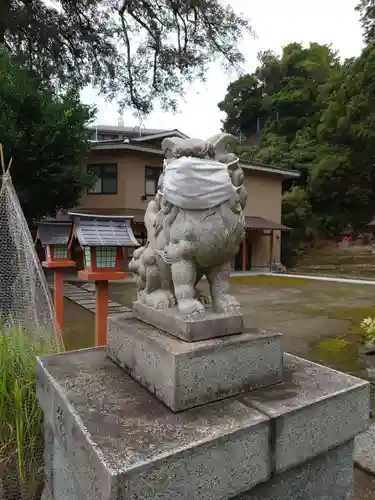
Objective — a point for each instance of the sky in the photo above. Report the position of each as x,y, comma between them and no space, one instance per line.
276,23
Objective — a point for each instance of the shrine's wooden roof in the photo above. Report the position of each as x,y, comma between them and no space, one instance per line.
54,233
103,230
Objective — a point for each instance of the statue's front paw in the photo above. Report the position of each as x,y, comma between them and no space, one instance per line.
203,298
160,299
226,304
192,309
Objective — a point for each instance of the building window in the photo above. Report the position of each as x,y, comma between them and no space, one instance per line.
106,179
152,175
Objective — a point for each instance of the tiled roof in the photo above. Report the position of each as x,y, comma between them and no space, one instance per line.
133,132
120,145
104,230
262,167
261,223
54,233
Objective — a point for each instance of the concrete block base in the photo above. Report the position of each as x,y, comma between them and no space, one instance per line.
112,440
188,374
328,476
170,320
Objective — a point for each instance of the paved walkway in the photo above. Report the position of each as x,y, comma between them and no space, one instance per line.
86,299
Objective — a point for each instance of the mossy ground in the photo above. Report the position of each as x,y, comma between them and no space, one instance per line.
335,310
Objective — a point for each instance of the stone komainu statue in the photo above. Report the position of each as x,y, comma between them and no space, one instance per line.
194,226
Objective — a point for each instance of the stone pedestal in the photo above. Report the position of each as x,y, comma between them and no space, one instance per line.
111,439
188,374
211,326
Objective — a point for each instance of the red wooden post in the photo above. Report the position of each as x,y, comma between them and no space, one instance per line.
271,249
58,292
101,315
244,251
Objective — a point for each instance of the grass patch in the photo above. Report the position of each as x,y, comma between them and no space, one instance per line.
21,418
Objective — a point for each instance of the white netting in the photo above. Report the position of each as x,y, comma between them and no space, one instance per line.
25,301
27,329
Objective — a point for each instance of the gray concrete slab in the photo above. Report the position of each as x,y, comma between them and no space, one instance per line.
313,410
212,325
187,374
326,477
122,443
364,451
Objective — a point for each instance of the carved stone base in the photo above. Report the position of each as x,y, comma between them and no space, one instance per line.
212,325
184,375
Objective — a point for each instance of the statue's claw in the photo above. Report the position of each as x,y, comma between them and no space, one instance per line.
226,304
203,298
192,309
160,299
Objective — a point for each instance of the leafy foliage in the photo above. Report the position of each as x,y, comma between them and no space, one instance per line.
297,214
320,120
21,418
142,49
366,9
44,132
342,181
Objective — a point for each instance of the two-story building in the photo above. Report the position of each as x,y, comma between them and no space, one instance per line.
127,163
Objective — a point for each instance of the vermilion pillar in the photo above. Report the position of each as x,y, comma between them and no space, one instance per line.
58,293
101,278
271,249
101,288
58,288
244,251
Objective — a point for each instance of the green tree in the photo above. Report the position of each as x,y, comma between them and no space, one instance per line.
366,9
248,98
142,50
342,183
242,104
296,213
284,92
44,132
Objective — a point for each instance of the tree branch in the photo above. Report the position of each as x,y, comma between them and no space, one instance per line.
126,4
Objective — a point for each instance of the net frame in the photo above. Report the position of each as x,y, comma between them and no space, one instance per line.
28,328
30,303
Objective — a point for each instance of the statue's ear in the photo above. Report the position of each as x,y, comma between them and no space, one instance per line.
169,144
221,142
